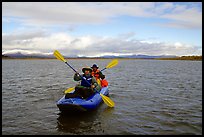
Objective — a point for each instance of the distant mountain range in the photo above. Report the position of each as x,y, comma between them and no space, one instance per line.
140,56
46,55
26,55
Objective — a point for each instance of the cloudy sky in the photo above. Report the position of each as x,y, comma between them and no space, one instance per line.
96,29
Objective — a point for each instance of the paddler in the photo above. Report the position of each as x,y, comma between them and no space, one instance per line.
100,78
96,72
84,90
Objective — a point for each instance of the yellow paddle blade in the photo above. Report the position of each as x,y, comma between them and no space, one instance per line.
69,90
99,82
107,100
112,63
59,56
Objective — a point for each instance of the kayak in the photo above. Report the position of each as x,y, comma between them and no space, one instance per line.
79,104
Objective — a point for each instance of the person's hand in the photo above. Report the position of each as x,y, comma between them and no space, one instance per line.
77,73
92,86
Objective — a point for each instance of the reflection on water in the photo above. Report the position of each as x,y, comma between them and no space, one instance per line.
75,123
82,122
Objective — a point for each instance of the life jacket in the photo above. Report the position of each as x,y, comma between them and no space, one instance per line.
104,83
84,79
96,74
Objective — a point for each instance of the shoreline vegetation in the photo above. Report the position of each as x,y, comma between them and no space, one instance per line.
183,58
196,58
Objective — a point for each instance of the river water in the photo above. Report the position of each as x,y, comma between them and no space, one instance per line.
152,97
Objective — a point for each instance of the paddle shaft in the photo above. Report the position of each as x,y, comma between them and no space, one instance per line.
71,67
103,69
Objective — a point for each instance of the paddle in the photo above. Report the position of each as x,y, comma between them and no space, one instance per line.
111,64
60,57
106,99
69,90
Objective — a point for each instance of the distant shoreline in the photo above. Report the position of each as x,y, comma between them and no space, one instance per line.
196,58
121,58
192,58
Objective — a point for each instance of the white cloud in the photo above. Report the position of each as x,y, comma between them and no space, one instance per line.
95,46
184,18
53,13
69,13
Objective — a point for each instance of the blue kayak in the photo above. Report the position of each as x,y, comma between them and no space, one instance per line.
79,104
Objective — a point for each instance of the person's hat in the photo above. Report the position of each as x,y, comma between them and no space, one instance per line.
86,68
94,66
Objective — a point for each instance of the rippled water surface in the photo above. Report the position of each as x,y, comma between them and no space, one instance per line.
151,97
